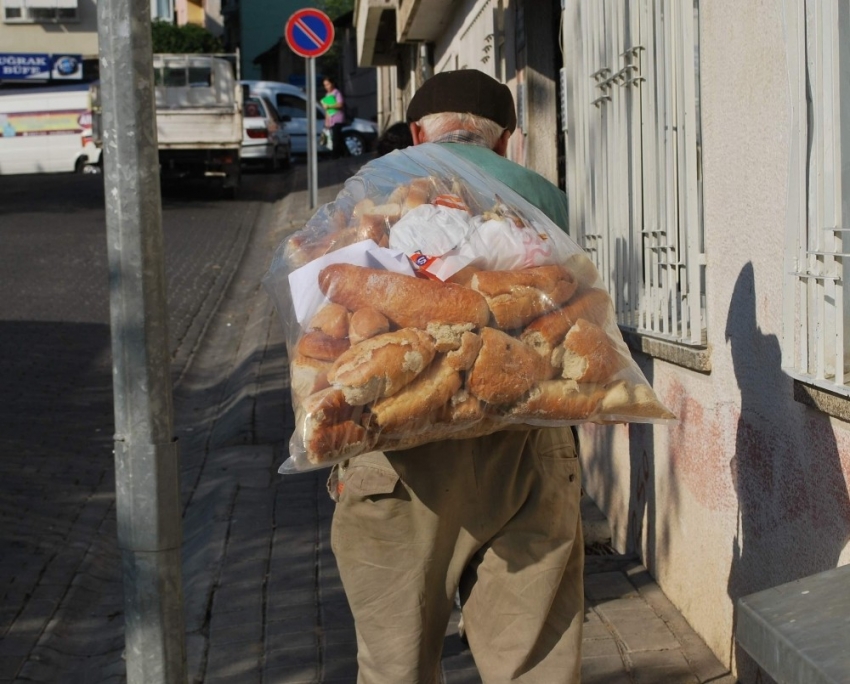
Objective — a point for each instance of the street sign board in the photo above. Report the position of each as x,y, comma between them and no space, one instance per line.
309,32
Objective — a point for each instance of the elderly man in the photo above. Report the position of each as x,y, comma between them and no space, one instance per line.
495,518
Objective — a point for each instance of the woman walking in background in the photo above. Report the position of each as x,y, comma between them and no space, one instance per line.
332,103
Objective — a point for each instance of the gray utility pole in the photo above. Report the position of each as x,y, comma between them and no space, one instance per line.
312,147
146,455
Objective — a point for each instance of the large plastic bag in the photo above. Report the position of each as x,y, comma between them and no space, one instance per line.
430,301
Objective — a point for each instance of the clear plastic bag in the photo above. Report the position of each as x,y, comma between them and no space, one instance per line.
429,301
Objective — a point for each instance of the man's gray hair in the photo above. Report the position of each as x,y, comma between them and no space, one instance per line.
435,125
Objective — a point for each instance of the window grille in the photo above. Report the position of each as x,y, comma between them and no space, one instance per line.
817,310
40,11
631,101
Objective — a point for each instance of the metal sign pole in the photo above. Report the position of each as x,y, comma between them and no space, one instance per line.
147,490
312,147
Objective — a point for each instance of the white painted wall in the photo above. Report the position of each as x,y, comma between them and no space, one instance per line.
750,489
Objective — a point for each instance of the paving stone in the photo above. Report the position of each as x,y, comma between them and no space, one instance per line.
662,667
300,673
608,585
604,670
595,648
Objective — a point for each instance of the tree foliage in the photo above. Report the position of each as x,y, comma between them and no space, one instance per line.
329,63
168,37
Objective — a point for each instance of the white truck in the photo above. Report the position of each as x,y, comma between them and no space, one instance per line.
47,129
199,117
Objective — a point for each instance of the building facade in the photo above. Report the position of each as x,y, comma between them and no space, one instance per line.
700,145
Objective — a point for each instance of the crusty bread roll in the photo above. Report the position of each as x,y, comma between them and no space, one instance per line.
629,401
307,376
331,319
462,408
589,354
558,400
464,356
544,334
405,409
366,323
302,249
319,345
518,297
505,368
447,336
407,302
381,365
463,276
330,443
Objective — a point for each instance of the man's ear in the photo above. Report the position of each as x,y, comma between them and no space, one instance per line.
416,132
501,147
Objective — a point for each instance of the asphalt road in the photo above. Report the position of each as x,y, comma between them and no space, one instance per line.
56,464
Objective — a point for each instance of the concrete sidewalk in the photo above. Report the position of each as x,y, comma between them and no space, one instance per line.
264,601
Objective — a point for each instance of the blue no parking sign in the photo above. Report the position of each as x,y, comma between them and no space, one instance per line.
309,32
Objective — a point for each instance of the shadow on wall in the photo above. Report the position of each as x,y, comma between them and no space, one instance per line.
793,504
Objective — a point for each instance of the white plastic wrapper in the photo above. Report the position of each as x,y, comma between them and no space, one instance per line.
429,301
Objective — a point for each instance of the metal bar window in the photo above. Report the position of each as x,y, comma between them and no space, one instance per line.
632,85
817,312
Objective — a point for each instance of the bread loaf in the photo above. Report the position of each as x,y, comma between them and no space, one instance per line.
366,323
382,365
558,400
307,376
518,297
629,400
406,301
331,319
331,430
319,345
447,336
547,332
505,368
589,354
406,409
464,356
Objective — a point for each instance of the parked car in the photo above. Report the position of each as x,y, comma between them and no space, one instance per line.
265,138
359,134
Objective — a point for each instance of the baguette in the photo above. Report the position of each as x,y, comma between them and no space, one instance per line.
464,356
366,323
307,376
625,399
558,400
406,409
589,354
331,319
319,345
518,297
406,301
547,332
381,365
505,368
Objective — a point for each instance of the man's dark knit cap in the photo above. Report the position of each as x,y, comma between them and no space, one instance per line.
466,91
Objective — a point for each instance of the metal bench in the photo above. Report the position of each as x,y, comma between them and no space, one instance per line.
800,632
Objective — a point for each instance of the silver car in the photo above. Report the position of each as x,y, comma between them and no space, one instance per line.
291,101
264,135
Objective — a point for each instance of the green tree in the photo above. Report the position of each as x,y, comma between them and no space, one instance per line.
328,63
168,37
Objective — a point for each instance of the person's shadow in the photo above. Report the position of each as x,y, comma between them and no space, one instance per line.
793,505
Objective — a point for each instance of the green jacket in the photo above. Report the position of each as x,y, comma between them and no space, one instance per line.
527,183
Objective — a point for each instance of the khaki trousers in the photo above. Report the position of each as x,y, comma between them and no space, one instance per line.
496,517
